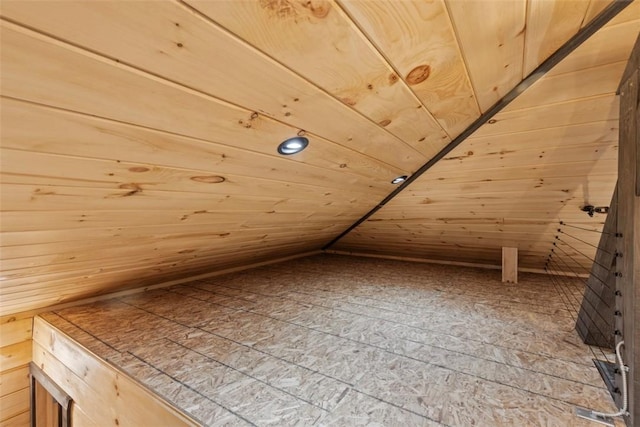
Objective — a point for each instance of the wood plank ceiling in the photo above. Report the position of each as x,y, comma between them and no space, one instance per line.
139,138
547,154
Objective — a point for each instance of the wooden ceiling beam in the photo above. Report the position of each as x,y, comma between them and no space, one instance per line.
574,42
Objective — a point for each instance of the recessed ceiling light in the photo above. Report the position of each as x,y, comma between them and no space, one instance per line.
399,179
293,145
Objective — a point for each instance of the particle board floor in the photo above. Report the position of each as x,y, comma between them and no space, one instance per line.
332,340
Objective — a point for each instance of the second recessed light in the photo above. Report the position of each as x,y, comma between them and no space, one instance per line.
293,145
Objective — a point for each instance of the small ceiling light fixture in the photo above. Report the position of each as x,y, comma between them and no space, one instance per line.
293,145
399,179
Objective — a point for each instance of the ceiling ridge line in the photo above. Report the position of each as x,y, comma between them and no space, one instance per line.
612,10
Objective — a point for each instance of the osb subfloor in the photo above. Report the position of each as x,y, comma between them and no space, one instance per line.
333,340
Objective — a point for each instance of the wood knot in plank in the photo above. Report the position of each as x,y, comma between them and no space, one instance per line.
419,74
349,101
319,8
208,179
135,188
138,169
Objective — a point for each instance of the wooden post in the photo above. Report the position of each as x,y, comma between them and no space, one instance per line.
628,233
510,265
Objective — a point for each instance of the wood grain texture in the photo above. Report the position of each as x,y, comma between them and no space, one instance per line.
172,41
14,380
509,264
292,32
536,163
15,355
595,7
15,331
139,139
14,404
549,25
612,43
67,288
493,58
418,40
21,420
628,229
89,380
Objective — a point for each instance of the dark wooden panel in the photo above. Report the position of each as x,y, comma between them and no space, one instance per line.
628,241
595,322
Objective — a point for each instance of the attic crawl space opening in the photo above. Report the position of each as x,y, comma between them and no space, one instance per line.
149,155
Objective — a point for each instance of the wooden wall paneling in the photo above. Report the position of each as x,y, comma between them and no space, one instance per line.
549,25
534,244
15,354
595,323
528,258
593,81
111,262
541,172
21,284
92,292
493,58
630,13
465,253
21,222
628,237
67,133
611,44
155,272
542,185
77,256
553,151
14,380
15,331
14,404
90,382
315,41
570,135
223,229
81,419
597,108
595,7
64,171
172,41
35,197
186,248
462,254
418,40
21,420
544,188
28,54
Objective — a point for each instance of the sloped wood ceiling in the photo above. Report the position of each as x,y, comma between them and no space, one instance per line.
139,138
538,162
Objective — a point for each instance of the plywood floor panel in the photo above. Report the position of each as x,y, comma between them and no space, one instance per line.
334,340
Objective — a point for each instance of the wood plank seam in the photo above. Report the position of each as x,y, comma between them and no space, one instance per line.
70,45
609,13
